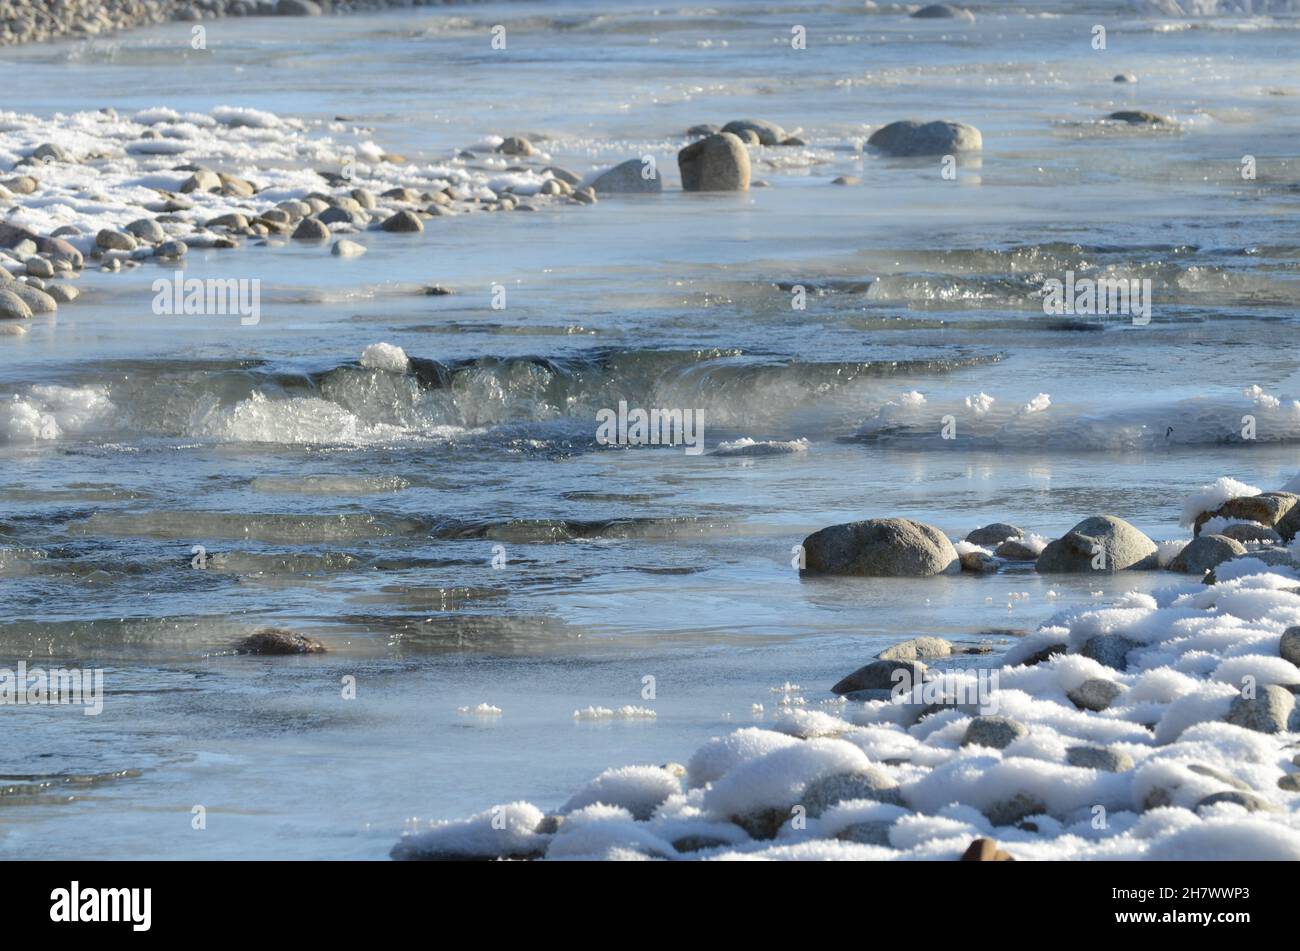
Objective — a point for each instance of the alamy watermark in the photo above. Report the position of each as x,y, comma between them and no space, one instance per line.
213,296
654,427
57,686
1105,296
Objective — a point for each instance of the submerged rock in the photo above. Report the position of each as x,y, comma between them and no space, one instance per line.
275,641
1103,543
1139,117
881,547
909,138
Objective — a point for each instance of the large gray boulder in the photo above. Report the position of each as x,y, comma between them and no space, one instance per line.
909,138
1102,540
627,178
1205,552
990,536
1267,508
880,547
716,163
13,307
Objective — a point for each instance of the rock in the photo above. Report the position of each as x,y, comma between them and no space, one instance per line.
918,648
1205,552
146,229
297,8
978,562
1202,770
1268,712
1013,810
516,145
1250,801
701,130
869,832
584,196
747,137
1289,645
343,248
1125,78
173,249
696,843
881,547
39,267
22,185
335,215
564,175
715,163
825,792
403,222
233,221
277,641
1268,509
364,198
311,229
62,293
13,307
994,732
1095,694
794,141
1104,539
1290,782
1099,758
1015,549
1044,655
39,301
846,180
911,138
1138,117
111,240
235,187
993,535
943,11
985,850
890,675
203,180
1109,649
769,133
1244,532
628,178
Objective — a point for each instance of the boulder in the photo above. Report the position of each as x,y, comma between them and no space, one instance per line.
943,11
821,794
1109,649
994,732
111,240
13,307
1269,711
1095,694
909,138
1101,540
1267,509
311,229
978,562
278,641
994,535
1205,552
1016,549
343,248
1289,645
769,133
403,222
880,547
714,163
919,648
1099,758
629,177
516,145
890,675
146,229
1249,532
297,8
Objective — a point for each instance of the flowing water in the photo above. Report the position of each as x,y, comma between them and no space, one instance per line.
457,535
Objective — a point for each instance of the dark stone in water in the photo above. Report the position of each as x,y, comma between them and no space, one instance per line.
277,641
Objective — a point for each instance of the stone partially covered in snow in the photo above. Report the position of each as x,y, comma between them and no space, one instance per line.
1267,508
1102,543
1204,553
1289,645
1269,711
508,831
1095,694
884,547
994,732
871,783
1109,649
638,789
1099,758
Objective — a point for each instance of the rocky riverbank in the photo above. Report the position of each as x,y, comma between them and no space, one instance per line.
34,21
1164,726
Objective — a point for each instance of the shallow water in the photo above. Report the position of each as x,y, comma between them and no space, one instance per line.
366,509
